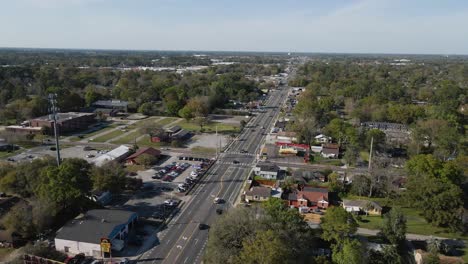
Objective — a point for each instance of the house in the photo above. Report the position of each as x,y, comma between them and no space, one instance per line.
84,233
306,176
112,104
258,194
330,151
132,159
322,138
25,130
309,197
267,170
118,154
357,206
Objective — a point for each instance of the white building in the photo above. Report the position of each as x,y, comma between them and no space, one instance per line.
322,138
84,233
118,154
267,170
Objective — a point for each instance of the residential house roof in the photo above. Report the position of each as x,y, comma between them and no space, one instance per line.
94,225
145,150
310,193
268,167
259,191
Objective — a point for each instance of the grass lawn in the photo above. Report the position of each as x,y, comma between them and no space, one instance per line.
109,136
210,127
135,168
128,139
364,155
145,141
6,154
4,252
167,121
203,150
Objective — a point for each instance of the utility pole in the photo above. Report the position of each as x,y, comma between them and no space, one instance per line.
53,115
216,141
370,155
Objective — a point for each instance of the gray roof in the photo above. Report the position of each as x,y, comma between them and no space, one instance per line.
259,191
361,203
266,166
94,225
63,116
113,103
173,129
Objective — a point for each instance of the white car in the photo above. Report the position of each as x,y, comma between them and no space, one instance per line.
217,200
193,174
170,202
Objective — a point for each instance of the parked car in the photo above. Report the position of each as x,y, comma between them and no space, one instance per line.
193,174
170,202
219,211
218,200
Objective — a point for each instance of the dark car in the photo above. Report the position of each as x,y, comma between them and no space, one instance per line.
166,189
235,162
203,226
219,211
167,178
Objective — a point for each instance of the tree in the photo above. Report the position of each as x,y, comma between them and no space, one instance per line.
360,185
334,184
20,220
338,225
351,252
393,226
65,185
227,234
264,248
146,160
388,255
108,177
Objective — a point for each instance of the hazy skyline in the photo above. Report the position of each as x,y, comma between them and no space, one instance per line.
368,26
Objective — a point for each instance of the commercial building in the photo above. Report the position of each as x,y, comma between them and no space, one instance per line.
112,104
118,154
84,233
267,170
66,122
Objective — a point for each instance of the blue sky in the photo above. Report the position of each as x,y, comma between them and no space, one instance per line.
364,26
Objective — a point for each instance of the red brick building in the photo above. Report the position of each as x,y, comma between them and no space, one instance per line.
150,151
66,122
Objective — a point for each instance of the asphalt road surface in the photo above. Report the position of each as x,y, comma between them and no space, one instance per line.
183,241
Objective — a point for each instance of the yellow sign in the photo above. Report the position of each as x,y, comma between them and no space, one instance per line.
105,245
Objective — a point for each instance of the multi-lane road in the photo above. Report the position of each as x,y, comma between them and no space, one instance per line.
183,241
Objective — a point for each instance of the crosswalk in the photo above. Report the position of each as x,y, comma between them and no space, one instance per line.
237,153
240,164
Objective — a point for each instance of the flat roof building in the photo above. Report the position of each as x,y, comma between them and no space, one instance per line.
84,233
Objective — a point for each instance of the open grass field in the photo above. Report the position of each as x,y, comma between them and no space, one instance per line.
109,136
129,138
205,150
210,127
145,141
416,224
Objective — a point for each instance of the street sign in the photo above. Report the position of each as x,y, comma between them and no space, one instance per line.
105,245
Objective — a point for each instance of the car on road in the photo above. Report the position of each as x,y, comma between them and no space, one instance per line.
219,211
218,200
90,156
235,162
243,151
202,226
